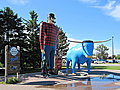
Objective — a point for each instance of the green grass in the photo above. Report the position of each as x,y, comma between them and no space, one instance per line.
106,67
100,67
2,83
64,67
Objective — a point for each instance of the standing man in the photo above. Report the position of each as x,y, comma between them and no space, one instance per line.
48,41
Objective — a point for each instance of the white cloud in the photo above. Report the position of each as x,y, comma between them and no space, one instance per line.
115,13
112,8
23,2
109,7
89,1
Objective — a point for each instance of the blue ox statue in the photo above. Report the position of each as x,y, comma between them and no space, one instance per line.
80,55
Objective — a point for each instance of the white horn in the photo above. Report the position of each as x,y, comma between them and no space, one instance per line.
102,41
75,41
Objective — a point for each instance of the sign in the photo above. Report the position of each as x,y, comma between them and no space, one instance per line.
13,60
13,51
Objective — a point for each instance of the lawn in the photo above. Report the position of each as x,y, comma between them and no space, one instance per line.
2,83
105,67
101,67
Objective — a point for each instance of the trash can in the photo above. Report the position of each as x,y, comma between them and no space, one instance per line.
58,62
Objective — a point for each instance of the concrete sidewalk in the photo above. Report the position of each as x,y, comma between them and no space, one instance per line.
35,81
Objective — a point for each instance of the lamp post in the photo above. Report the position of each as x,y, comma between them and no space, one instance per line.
112,49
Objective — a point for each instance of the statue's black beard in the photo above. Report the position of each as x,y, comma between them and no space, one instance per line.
54,21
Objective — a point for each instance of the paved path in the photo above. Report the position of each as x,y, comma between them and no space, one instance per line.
35,81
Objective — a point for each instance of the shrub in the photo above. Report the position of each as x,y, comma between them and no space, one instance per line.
12,80
1,65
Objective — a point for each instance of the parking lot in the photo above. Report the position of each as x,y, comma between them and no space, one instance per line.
106,64
104,61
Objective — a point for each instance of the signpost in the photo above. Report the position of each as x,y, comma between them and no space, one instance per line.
12,60
6,50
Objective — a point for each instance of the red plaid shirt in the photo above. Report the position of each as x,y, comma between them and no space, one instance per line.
48,34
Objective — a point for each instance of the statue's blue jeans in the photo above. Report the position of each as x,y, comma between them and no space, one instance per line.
48,56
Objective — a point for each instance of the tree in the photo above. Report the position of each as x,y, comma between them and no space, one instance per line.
1,36
118,56
32,29
102,52
1,27
12,30
63,44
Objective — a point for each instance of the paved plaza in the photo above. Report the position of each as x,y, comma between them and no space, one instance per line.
35,81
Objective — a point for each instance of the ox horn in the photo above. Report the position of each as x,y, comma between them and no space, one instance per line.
75,41
93,41
102,41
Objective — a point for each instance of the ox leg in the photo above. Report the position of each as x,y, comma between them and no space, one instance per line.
78,66
88,65
73,65
67,65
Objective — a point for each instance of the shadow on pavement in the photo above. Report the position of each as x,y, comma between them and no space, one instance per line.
42,83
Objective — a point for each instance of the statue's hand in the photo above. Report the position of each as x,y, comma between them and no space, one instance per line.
43,51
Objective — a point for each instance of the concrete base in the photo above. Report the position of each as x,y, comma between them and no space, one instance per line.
69,72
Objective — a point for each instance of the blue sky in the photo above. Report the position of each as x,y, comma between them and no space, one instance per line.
80,19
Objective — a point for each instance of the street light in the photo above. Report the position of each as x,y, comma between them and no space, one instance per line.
112,49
